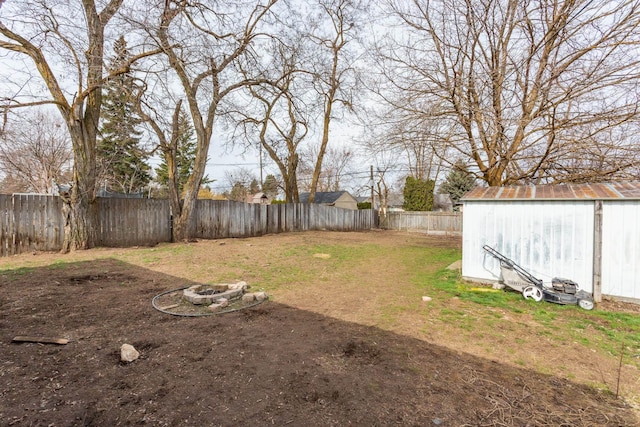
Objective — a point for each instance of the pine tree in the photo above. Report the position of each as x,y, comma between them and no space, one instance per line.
270,186
254,187
185,156
121,159
458,182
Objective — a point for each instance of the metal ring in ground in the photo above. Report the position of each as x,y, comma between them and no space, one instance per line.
153,303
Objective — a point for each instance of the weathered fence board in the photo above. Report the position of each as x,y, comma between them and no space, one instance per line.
36,223
217,219
428,222
7,246
133,222
30,222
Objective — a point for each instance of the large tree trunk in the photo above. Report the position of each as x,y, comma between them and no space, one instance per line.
323,146
81,222
181,227
290,178
80,207
81,115
181,223
82,118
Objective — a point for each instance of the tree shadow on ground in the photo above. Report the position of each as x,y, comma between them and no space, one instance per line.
267,365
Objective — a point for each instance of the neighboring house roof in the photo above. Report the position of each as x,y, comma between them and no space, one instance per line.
60,188
594,191
324,197
258,198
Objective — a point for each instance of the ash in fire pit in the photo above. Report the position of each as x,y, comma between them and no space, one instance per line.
209,292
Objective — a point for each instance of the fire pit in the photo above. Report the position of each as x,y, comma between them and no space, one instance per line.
208,294
204,300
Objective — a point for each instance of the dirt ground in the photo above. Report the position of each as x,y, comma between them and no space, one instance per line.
300,359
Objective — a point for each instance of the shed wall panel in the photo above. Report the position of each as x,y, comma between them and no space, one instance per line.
547,238
621,249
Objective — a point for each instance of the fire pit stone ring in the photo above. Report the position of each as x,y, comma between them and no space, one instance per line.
209,294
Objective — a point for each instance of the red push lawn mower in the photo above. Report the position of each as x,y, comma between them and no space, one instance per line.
562,291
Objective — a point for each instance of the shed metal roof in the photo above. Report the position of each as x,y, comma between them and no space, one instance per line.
595,191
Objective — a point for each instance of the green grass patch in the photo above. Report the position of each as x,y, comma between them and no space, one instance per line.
18,271
58,265
604,331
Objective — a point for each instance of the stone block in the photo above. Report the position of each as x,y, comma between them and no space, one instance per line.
215,307
240,285
261,296
248,297
228,295
197,299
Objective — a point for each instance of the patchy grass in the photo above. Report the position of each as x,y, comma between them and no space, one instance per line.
16,271
379,279
599,330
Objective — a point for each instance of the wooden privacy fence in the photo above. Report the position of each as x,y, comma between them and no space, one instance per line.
224,218
427,222
133,222
36,223
30,223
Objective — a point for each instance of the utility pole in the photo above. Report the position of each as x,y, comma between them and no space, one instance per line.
261,178
372,204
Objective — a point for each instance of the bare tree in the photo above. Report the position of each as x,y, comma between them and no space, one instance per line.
242,183
202,46
310,79
168,133
418,141
65,45
523,85
35,151
335,75
336,168
385,159
278,117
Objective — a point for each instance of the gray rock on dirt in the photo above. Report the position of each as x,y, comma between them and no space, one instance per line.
128,353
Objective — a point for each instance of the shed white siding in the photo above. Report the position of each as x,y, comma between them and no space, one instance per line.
621,249
547,238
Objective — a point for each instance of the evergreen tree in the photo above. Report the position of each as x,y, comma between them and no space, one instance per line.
418,194
270,186
239,192
458,182
121,160
185,156
254,187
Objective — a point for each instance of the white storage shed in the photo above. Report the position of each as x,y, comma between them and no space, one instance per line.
589,233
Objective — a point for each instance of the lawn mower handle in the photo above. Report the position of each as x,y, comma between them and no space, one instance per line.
512,264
